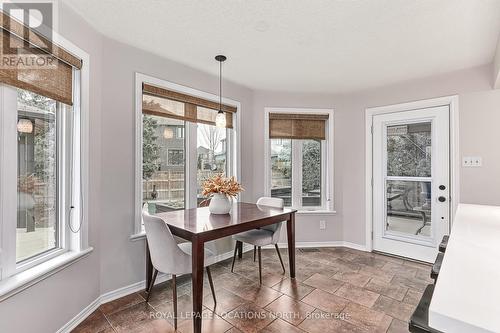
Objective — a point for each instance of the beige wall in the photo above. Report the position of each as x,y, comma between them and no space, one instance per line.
480,136
496,67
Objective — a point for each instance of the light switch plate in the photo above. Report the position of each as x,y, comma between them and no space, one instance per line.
472,161
477,161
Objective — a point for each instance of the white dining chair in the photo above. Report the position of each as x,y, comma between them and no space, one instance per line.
267,235
169,257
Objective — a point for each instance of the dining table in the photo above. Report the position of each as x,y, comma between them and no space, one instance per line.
199,226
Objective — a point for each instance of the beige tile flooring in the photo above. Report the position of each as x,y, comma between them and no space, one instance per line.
336,290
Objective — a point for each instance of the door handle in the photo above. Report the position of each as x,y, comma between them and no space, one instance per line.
441,199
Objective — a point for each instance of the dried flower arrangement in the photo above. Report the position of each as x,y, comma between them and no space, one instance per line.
219,184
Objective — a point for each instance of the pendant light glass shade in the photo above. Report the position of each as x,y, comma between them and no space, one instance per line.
24,126
220,120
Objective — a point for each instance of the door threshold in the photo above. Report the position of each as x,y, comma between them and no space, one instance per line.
401,257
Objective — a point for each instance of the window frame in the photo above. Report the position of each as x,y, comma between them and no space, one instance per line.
327,161
73,188
190,137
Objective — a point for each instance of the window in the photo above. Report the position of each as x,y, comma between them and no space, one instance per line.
39,175
41,138
211,154
37,225
179,146
281,170
311,173
299,156
163,165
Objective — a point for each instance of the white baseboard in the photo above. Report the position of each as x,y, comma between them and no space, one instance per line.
70,325
135,287
323,244
355,246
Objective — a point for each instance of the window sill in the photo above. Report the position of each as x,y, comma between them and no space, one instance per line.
316,212
21,281
138,236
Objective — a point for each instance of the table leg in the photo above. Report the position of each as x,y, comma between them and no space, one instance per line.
198,257
149,267
290,230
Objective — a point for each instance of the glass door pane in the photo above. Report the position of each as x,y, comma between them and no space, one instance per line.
409,150
408,207
408,180
163,163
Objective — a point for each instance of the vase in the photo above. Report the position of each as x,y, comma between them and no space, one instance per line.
219,204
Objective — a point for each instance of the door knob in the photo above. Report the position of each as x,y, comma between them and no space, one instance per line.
442,199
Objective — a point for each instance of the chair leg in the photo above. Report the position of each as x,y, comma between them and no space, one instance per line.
260,265
279,255
234,257
151,284
240,249
254,252
211,282
174,296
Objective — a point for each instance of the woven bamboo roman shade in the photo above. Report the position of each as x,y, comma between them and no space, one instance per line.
161,102
297,126
32,62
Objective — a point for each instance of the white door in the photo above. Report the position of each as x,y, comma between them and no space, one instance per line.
411,182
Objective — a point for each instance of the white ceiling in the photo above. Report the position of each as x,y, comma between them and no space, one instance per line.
307,45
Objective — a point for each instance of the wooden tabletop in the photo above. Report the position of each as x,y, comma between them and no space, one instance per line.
198,222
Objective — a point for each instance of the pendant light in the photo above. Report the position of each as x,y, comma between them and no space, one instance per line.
220,119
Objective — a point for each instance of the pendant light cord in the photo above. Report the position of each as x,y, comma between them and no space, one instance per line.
220,86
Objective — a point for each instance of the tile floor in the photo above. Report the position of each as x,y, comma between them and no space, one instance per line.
336,290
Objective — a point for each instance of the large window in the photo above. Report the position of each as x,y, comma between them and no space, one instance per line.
180,146
41,142
39,170
299,158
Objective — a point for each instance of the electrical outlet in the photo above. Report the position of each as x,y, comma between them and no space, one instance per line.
322,225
